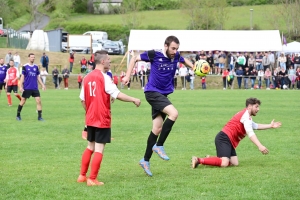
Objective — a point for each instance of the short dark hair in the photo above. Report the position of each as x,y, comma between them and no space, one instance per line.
252,101
30,54
100,55
171,39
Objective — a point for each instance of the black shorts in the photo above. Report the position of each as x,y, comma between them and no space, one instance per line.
224,146
12,88
28,93
158,102
2,85
98,135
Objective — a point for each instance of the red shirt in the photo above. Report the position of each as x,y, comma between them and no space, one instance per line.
79,78
11,74
235,128
83,61
97,101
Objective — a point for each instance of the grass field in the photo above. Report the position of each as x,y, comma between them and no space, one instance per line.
41,160
177,20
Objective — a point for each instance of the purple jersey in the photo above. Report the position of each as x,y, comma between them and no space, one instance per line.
161,78
3,70
31,73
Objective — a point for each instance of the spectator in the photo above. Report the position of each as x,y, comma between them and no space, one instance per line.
89,67
122,75
183,74
251,62
8,57
175,78
296,61
210,61
258,59
241,61
202,56
192,77
246,77
282,61
45,61
247,58
292,77
79,80
282,74
71,60
239,74
197,56
134,73
272,60
266,62
83,64
260,77
116,80
216,62
92,60
298,78
55,77
253,75
230,78
267,76
222,58
43,75
230,61
66,73
276,78
203,81
224,77
148,73
289,62
142,74
17,60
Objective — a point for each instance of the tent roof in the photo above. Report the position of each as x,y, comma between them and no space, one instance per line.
291,47
197,40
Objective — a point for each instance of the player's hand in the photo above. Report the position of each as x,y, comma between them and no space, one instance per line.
263,150
43,87
21,89
137,102
112,100
275,124
125,80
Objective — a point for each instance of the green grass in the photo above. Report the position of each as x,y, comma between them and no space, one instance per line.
41,160
19,22
177,20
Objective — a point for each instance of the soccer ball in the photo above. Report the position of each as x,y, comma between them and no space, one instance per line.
284,87
201,68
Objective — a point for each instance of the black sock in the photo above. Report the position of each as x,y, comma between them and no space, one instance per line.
85,128
39,113
150,143
19,110
166,129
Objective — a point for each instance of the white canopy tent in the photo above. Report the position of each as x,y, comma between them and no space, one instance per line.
197,40
291,47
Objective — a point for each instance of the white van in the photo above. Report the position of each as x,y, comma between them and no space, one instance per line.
97,36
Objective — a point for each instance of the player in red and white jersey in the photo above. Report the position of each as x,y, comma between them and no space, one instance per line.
95,96
12,77
238,127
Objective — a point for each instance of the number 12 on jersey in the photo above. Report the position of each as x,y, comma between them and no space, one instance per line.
92,86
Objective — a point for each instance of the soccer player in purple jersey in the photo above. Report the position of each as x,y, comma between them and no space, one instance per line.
160,85
29,86
3,70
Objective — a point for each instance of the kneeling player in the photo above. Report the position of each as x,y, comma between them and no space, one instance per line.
233,132
12,76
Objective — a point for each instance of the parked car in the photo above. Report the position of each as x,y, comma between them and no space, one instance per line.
122,46
96,47
112,47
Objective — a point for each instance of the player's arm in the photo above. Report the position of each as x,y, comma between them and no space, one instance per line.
132,62
123,97
21,83
81,96
271,125
249,125
188,63
41,82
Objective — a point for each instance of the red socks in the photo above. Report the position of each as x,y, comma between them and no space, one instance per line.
8,99
18,96
96,162
213,161
86,157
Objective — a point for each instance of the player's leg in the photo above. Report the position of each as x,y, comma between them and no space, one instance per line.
15,89
8,96
102,136
84,133
224,153
234,161
152,138
25,95
37,97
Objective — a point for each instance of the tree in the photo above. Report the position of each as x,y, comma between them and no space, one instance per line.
131,17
